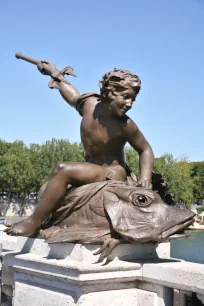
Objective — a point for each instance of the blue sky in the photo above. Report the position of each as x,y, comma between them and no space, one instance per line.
162,41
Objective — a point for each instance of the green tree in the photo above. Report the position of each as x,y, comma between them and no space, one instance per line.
197,174
177,173
25,168
55,151
132,160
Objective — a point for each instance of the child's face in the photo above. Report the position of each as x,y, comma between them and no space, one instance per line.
122,101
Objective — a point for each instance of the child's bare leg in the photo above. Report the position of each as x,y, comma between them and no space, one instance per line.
76,174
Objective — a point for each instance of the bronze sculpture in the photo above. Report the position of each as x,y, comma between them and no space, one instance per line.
111,212
105,129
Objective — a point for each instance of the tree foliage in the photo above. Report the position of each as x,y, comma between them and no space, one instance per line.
185,180
25,168
197,173
177,173
132,159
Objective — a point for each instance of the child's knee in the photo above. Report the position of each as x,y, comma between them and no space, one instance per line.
59,168
42,189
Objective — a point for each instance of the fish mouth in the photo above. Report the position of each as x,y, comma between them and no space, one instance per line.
169,233
179,236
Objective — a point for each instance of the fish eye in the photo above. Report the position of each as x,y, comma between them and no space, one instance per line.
141,200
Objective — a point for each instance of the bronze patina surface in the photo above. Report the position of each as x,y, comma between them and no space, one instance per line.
105,202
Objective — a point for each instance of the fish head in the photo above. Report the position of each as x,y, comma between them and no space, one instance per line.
140,215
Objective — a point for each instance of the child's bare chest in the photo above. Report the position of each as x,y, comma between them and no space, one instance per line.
100,132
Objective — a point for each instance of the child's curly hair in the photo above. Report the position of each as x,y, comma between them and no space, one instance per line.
118,79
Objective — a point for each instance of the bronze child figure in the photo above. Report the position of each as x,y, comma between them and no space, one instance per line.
105,129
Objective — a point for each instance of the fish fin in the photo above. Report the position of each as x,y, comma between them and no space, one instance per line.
99,210
83,233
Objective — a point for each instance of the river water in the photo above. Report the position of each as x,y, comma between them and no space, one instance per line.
191,248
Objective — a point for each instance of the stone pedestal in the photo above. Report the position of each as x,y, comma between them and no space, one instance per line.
69,274
38,274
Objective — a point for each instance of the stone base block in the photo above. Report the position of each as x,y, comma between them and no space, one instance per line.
112,297
30,294
69,274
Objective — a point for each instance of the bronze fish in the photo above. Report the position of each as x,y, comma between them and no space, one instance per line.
112,212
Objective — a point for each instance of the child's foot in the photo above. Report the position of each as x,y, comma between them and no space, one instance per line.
23,228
